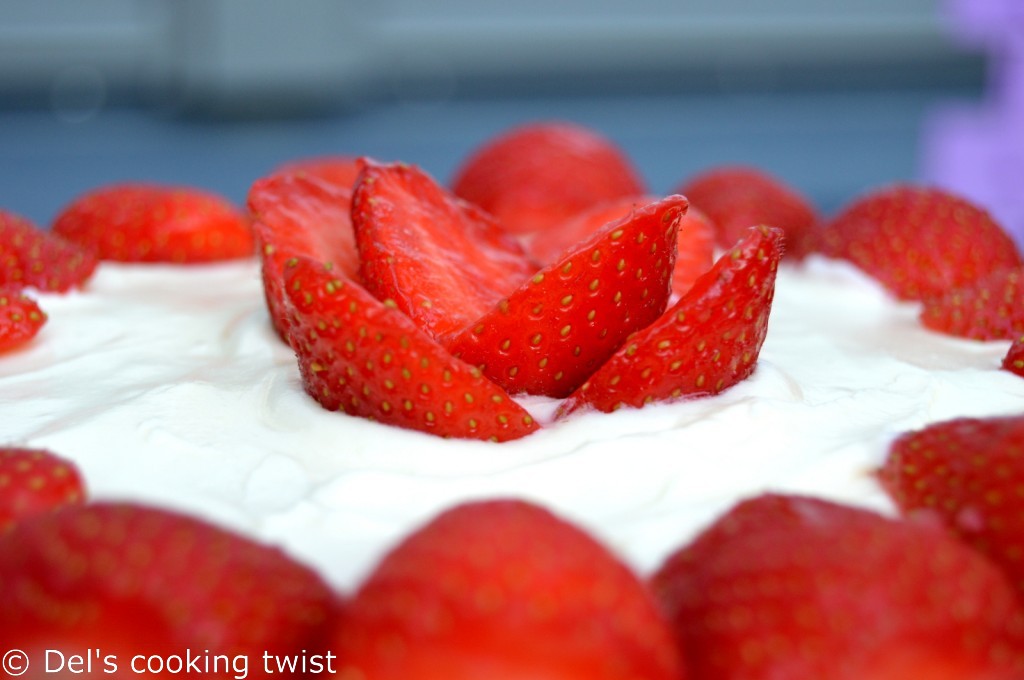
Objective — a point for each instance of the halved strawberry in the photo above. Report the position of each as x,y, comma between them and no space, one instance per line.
138,222
803,589
366,358
555,330
990,308
20,318
919,242
504,589
537,176
34,482
1014,359
336,170
737,197
970,472
31,257
442,261
705,343
301,214
129,580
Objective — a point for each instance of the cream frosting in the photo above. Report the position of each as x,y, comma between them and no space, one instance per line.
167,385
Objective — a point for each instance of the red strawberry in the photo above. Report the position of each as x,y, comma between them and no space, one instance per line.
128,580
31,257
154,223
442,261
504,589
300,214
366,358
556,329
705,343
20,318
737,197
990,308
919,242
337,171
1014,359
34,482
971,473
537,176
801,588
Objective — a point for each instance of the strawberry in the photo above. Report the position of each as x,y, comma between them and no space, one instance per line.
156,223
301,214
127,580
503,589
705,343
442,261
801,588
919,242
695,254
969,471
557,328
366,358
20,318
537,176
34,482
31,257
737,197
336,170
990,308
1014,359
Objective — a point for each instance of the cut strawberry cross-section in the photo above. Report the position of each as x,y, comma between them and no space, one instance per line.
556,329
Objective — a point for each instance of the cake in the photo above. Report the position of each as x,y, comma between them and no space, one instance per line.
168,385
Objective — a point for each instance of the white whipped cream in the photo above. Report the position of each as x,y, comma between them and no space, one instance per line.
167,385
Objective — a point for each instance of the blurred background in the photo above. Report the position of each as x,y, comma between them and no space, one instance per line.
833,96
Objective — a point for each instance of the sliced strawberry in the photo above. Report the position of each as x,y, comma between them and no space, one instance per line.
705,343
129,580
156,223
737,197
538,176
35,482
504,589
919,242
366,358
336,170
20,318
300,214
31,257
696,252
442,261
556,329
1014,359
990,308
804,589
970,472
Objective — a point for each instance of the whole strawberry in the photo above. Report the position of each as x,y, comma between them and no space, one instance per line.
127,580
138,222
919,242
990,308
503,589
20,318
35,482
31,257
803,589
970,472
537,176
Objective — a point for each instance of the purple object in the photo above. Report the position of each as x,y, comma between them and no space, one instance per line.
978,150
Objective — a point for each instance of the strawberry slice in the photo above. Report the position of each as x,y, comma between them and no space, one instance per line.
442,261
1014,359
737,197
129,580
364,357
35,482
20,318
705,343
31,257
990,308
336,170
970,472
538,176
301,213
503,589
804,589
919,242
556,329
156,223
